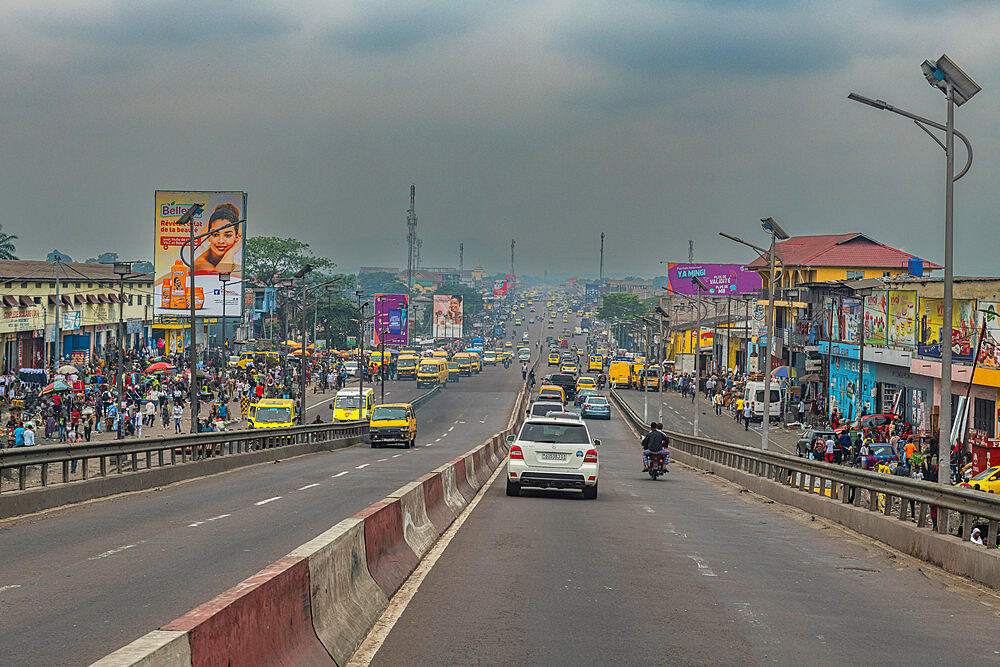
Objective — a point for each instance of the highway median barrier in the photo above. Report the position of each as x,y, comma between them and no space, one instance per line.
317,604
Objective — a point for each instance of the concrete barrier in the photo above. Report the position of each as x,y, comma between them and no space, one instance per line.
472,472
465,487
265,619
390,557
160,648
957,556
418,531
438,510
452,496
344,599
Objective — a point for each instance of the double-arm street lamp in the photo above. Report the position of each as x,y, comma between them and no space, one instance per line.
776,232
958,88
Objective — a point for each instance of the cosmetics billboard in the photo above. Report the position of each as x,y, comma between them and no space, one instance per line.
223,219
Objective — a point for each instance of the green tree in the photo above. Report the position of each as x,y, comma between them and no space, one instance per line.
269,260
472,300
381,282
620,307
7,248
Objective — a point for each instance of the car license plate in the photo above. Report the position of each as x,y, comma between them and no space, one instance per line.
552,456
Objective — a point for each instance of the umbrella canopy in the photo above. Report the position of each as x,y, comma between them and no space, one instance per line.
293,343
160,367
68,369
58,385
780,372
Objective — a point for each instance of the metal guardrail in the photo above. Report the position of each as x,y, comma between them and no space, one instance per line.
122,456
888,494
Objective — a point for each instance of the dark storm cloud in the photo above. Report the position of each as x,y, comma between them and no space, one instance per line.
387,28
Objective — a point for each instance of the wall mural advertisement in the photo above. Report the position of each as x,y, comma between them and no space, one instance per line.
392,319
931,321
876,317
989,352
902,318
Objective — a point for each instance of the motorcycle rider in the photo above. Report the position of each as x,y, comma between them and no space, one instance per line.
655,442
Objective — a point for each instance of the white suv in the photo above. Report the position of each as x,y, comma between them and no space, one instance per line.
553,453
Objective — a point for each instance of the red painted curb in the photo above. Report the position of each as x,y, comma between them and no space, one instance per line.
264,620
390,558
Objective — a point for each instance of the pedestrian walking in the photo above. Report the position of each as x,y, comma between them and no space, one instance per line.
177,412
747,412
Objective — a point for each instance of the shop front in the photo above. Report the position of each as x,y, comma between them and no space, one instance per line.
982,394
902,392
843,372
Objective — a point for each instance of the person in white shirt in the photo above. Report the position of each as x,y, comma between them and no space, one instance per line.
29,434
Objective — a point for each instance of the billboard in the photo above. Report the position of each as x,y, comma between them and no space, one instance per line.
963,328
447,316
721,279
902,318
499,287
392,319
511,281
876,317
221,252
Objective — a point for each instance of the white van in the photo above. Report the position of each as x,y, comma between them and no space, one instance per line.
754,393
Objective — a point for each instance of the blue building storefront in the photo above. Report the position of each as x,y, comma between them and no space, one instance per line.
843,372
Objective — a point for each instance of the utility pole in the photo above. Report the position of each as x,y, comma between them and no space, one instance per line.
461,256
411,236
301,275
58,326
601,279
690,251
512,242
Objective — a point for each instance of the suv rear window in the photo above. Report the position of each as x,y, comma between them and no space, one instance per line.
554,433
540,409
563,378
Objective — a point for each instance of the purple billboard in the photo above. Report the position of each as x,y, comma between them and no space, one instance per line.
721,279
391,319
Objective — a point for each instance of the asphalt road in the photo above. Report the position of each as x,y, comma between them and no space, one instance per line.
682,570
678,415
79,582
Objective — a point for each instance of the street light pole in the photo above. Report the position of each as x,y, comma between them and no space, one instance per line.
361,353
121,269
224,278
958,88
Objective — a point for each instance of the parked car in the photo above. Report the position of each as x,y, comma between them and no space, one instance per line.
805,443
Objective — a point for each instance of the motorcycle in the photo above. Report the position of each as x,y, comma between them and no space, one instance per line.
657,464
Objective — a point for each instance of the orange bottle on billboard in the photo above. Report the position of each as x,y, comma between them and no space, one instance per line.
199,297
178,278
165,294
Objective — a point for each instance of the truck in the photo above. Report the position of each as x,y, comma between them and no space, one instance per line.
578,331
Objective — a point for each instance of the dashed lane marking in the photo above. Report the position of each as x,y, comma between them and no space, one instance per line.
341,474
396,456
201,523
649,510
308,486
380,460
269,500
116,550
451,429
9,587
703,567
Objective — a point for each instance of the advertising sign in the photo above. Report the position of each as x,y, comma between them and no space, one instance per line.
989,352
499,287
448,316
71,320
706,340
931,319
392,319
876,317
511,281
721,279
850,318
221,252
902,318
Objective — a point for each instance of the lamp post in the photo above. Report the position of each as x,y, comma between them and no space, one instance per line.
224,278
958,88
361,350
58,326
122,269
776,232
301,276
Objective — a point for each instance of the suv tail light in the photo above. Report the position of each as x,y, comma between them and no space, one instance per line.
591,456
516,454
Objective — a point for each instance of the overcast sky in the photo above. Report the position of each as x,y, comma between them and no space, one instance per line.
544,121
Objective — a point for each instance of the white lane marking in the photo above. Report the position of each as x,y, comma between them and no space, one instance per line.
269,500
451,429
308,486
484,419
116,550
383,626
380,460
341,474
429,444
9,587
396,456
703,566
649,510
201,523
362,466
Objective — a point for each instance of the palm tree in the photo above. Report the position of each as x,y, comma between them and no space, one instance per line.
7,245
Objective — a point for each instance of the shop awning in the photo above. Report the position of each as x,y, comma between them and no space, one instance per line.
78,299
52,299
26,301
9,301
67,301
91,298
114,298
103,298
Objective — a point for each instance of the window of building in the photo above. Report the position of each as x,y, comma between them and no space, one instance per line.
983,418
90,284
78,285
855,275
37,300
24,285
38,285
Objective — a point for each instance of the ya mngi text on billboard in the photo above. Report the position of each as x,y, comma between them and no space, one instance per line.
219,252
721,279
